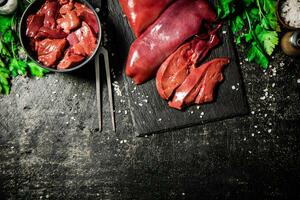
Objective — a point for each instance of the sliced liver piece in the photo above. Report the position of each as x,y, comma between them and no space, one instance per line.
50,50
87,41
50,10
87,15
45,32
199,85
34,23
69,21
70,59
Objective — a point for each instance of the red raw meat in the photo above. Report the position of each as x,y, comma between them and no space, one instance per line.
45,32
34,23
62,2
69,21
88,16
66,8
179,22
198,87
142,13
176,68
72,38
50,10
50,50
87,41
70,59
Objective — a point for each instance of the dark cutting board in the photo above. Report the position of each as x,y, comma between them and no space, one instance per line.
151,114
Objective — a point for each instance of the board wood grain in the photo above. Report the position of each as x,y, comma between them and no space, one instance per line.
151,114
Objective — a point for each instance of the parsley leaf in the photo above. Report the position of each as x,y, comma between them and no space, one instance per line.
17,67
3,50
254,23
225,7
237,24
269,39
5,23
4,83
255,54
36,70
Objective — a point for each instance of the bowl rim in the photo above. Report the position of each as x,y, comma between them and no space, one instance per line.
281,20
86,61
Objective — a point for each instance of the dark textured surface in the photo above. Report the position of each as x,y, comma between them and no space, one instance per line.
151,114
50,147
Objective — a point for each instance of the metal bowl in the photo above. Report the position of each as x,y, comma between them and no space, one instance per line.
281,20
32,9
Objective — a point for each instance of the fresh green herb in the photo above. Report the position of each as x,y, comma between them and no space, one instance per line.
254,23
36,70
13,59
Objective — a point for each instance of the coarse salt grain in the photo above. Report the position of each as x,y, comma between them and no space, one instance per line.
290,13
262,98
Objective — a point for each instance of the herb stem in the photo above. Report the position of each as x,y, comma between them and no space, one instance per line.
261,14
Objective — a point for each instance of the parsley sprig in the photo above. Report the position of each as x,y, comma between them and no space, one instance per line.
13,59
254,23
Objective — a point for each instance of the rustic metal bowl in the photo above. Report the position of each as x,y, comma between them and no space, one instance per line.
32,9
281,20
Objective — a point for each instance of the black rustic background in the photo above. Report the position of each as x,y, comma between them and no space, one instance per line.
50,147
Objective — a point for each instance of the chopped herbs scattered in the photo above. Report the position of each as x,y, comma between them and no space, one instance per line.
13,59
254,23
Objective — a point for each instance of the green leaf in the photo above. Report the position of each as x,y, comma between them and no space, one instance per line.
247,37
273,22
248,2
5,23
268,39
4,83
3,50
2,64
225,8
8,37
237,24
269,6
256,55
36,70
17,67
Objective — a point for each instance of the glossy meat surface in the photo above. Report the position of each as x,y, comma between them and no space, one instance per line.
69,21
50,50
87,41
70,59
199,85
142,13
87,15
178,65
45,32
179,22
34,23
60,25
50,10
